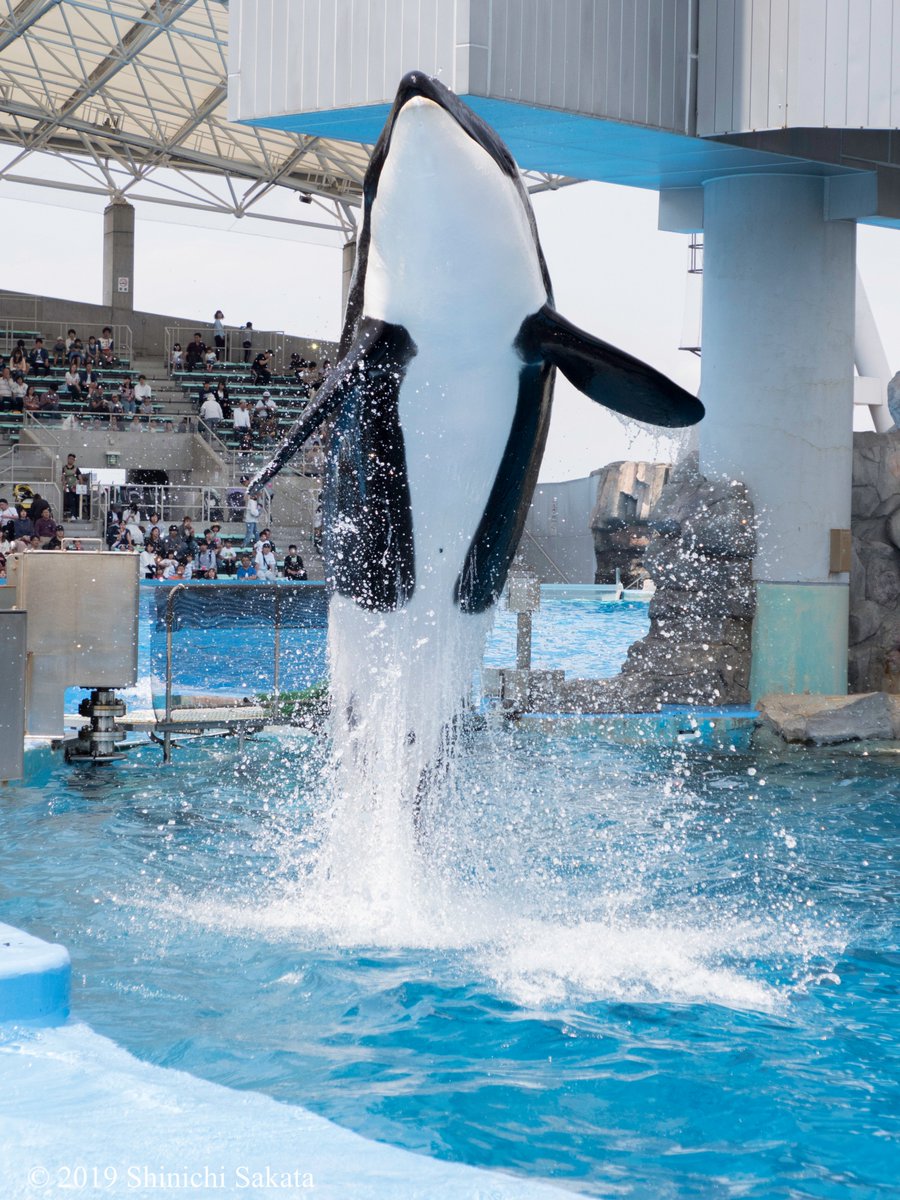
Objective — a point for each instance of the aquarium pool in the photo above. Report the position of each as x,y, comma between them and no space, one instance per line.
633,971
580,629
629,970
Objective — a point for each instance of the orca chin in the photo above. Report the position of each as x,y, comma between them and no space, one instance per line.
439,405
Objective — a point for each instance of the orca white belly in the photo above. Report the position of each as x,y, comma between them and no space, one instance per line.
456,424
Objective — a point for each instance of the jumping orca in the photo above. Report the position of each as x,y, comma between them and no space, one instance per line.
441,397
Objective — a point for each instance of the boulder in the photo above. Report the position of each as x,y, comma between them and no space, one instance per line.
829,720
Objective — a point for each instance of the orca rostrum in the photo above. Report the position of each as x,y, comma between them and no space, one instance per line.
440,402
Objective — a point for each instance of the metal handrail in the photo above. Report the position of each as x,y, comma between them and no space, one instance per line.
123,339
555,565
267,339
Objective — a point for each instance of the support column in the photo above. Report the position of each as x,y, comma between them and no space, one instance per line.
778,324
118,260
348,262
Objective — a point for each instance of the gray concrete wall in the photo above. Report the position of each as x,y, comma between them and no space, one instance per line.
557,543
148,329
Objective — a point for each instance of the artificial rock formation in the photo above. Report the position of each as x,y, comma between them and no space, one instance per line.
627,493
875,575
701,616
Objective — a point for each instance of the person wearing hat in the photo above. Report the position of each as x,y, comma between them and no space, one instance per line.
171,542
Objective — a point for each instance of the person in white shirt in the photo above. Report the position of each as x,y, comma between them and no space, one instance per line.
142,389
266,566
251,516
7,510
241,418
211,411
6,385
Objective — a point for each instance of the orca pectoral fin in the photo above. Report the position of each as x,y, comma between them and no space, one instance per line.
606,374
327,401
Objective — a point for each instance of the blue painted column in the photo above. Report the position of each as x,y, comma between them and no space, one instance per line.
777,382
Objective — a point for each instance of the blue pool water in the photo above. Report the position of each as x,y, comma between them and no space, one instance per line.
579,628
640,972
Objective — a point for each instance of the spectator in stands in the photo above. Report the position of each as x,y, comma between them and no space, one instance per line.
18,360
264,406
145,412
44,523
114,531
148,560
71,338
97,407
265,538
293,565
72,378
32,401
171,542
219,333
154,538
22,526
246,568
8,512
176,362
216,535
210,359
92,352
50,399
6,390
241,419
58,353
154,523
247,340
207,557
260,372
251,517
19,388
195,354
134,527
39,358
266,565
107,347
116,411
211,411
76,350
72,479
142,389
127,399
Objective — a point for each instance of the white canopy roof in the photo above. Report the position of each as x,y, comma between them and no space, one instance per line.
127,99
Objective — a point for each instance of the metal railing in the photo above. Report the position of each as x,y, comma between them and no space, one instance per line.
25,326
234,352
203,503
549,557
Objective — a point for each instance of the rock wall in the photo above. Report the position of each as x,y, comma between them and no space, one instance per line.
627,493
875,575
701,616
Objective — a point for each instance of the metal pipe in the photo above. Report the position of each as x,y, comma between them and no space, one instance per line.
523,641
167,736
277,642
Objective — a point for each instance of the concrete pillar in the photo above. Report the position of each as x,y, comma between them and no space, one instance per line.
778,331
348,263
118,260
